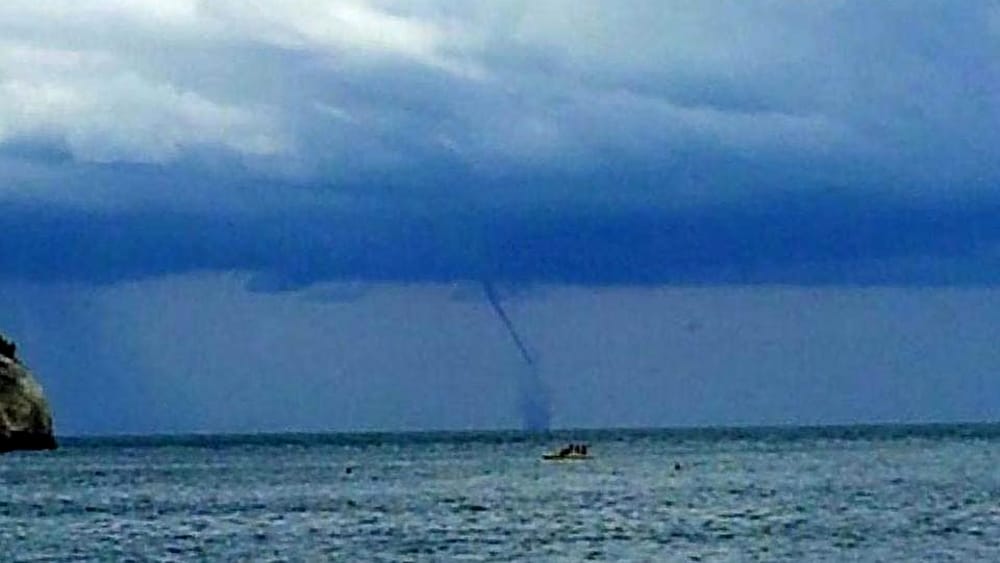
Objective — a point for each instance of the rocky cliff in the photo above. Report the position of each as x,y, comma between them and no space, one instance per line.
25,419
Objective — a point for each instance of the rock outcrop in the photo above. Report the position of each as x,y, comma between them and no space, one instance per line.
25,418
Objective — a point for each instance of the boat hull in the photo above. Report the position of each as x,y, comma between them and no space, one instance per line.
566,457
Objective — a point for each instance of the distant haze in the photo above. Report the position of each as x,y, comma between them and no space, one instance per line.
150,357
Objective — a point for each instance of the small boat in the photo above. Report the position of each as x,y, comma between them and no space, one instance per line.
572,452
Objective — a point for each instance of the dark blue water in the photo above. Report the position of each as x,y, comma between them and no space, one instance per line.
833,494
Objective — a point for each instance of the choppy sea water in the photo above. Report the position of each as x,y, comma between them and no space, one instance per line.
821,494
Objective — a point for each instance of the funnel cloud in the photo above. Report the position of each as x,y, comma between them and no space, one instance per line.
534,400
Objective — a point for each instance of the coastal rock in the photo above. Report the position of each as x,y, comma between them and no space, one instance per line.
25,418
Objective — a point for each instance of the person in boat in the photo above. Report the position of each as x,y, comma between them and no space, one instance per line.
569,451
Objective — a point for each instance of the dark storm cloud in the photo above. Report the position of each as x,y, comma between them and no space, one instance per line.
566,142
789,239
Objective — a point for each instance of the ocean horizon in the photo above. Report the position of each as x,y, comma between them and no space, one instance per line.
886,430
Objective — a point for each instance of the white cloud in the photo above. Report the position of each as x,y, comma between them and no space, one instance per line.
363,89
103,112
343,28
80,11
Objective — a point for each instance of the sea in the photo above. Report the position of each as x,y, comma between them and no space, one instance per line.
851,493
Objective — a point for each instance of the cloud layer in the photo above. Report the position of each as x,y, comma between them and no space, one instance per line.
804,240
577,142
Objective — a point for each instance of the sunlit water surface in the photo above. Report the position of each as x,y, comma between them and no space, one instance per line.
835,494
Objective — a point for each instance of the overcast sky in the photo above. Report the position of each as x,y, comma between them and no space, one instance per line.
249,215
